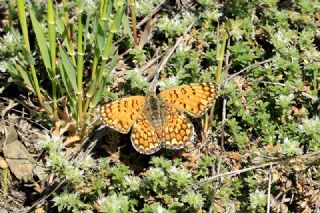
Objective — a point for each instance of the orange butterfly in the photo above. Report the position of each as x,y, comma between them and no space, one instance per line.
158,120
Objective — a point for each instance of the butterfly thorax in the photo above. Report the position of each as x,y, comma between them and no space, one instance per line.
154,112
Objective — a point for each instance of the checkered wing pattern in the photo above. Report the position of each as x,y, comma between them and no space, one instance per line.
166,126
178,130
143,137
121,114
193,99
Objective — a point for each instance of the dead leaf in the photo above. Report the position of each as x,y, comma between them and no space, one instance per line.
19,160
295,110
70,141
235,155
3,163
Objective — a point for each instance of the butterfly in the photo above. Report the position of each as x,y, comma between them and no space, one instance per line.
158,121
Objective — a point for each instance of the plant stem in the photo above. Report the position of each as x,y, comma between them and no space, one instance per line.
220,56
133,20
107,50
52,39
69,36
80,66
24,28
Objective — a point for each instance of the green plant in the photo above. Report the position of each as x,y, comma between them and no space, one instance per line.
82,86
263,55
174,27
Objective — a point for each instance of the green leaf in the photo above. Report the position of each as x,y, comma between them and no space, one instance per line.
27,54
42,43
60,25
99,93
70,94
70,70
126,27
26,77
66,85
100,38
48,107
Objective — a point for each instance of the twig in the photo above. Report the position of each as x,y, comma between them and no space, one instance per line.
12,199
294,88
87,146
217,129
231,173
247,68
227,63
11,105
143,21
155,10
46,196
224,112
215,187
150,63
269,189
235,172
164,61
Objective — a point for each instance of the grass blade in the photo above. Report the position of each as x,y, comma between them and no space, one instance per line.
70,70
44,50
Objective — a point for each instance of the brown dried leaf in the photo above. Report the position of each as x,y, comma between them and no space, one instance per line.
19,160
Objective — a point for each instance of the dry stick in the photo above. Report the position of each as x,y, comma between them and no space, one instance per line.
269,189
128,50
224,112
217,129
146,35
12,199
23,113
149,37
39,201
227,64
224,106
155,10
215,187
231,173
247,68
6,109
164,61
150,63
143,21
170,52
235,172
100,133
281,84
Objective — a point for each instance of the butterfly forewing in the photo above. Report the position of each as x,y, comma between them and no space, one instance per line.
121,114
194,99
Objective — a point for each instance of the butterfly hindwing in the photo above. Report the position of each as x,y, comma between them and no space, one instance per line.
178,130
143,137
